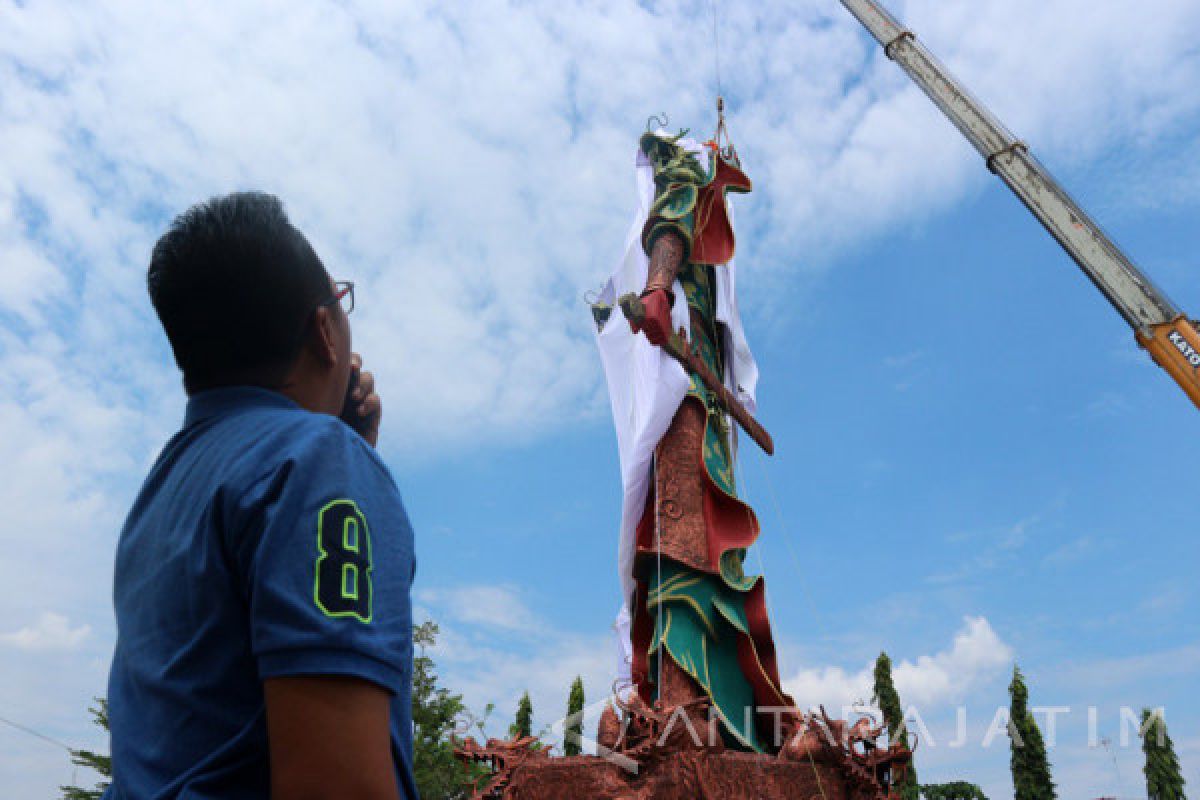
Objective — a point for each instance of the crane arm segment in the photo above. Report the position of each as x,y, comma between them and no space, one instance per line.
1159,326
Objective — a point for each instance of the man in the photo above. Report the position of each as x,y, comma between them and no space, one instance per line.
264,633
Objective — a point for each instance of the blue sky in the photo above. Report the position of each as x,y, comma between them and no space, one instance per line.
964,429
975,464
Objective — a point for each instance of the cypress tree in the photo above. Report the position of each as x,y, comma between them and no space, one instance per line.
1030,767
1164,779
888,700
573,731
523,724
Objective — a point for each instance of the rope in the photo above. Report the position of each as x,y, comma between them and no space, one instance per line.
787,541
758,547
817,775
658,656
727,150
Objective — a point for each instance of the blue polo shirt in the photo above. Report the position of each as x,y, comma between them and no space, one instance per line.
267,541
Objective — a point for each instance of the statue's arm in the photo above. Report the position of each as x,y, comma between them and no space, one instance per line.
666,258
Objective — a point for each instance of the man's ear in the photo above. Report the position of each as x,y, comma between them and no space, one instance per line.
322,341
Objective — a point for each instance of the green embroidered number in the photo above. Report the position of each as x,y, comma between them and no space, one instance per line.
343,574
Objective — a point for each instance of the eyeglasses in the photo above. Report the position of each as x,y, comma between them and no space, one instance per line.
343,293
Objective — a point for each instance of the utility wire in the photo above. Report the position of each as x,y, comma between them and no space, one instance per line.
37,735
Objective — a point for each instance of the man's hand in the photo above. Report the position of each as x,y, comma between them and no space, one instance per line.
329,737
657,324
364,409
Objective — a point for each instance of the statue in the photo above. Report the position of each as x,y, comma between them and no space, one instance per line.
697,623
698,710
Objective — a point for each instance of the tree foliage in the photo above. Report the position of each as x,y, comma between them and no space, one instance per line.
1164,779
1030,767
435,712
573,731
955,790
888,700
101,764
523,723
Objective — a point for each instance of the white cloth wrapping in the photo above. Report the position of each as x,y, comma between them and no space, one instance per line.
646,386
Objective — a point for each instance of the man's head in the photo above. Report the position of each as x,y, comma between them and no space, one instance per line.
244,300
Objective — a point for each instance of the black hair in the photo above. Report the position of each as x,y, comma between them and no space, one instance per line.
234,285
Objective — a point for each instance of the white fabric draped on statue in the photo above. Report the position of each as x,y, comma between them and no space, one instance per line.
646,387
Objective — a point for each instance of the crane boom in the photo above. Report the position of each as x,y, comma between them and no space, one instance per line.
1172,340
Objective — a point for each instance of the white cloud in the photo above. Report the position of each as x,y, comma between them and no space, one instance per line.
1133,671
50,632
475,187
1070,552
493,652
977,654
1165,600
494,607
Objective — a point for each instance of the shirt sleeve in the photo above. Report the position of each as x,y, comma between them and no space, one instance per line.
324,550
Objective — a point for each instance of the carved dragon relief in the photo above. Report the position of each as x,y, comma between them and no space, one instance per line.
648,734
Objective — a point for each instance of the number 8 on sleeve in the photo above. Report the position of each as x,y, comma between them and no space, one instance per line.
343,572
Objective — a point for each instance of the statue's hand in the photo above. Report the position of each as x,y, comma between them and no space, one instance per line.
657,322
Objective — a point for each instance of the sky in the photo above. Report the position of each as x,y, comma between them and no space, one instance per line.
976,467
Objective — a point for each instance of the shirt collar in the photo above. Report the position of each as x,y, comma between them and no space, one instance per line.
215,402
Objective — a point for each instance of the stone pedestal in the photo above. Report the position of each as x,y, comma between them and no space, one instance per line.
657,754
682,776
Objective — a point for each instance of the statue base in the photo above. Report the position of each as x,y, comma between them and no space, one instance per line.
683,776
677,753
